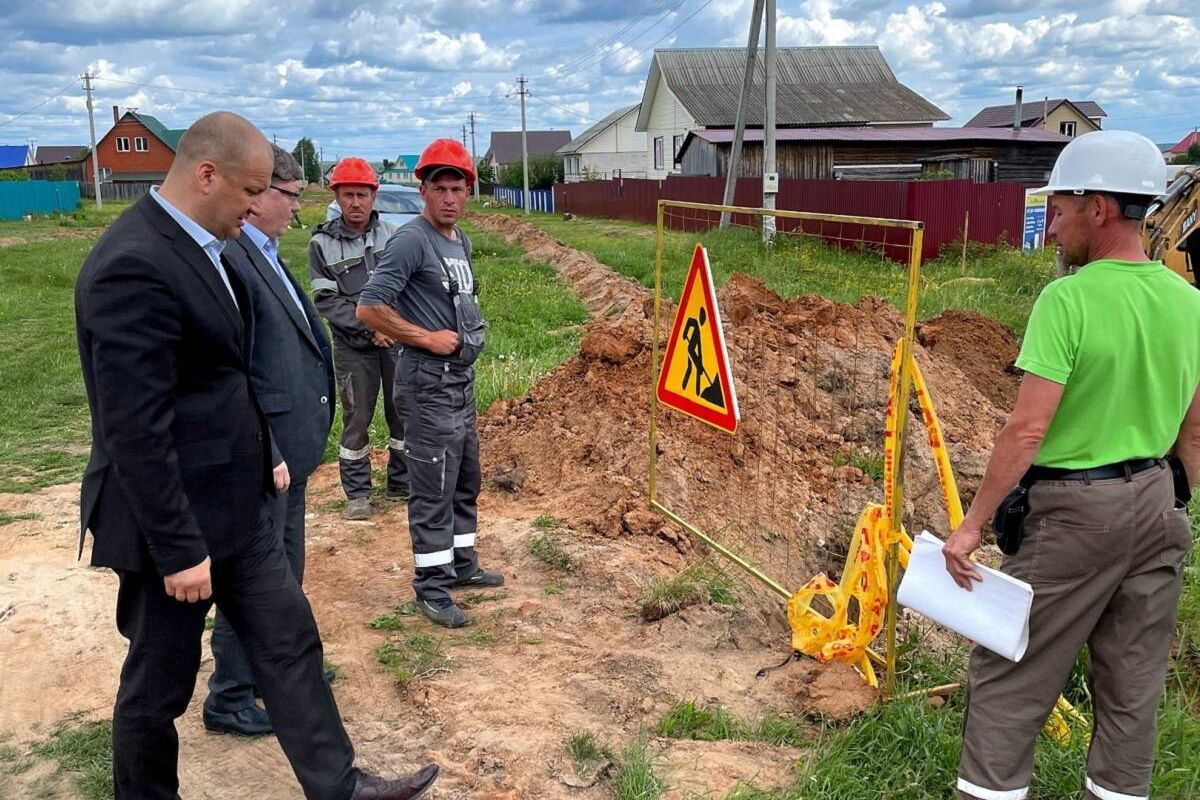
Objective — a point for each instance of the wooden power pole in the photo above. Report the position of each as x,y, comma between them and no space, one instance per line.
735,150
770,175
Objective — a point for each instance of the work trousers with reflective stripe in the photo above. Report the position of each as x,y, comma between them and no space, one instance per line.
360,376
1105,560
442,448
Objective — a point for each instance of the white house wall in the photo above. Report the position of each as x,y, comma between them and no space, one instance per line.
618,150
667,119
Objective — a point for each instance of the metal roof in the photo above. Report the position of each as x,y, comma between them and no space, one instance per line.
845,85
889,135
13,155
871,135
591,133
1184,143
1031,111
169,136
506,145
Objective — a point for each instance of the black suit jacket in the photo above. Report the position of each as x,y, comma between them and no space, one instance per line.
291,365
180,455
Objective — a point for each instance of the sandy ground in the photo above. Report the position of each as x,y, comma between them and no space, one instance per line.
497,720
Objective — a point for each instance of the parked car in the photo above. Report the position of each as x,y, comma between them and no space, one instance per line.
397,204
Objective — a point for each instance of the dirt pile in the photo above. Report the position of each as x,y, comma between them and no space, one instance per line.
982,347
811,381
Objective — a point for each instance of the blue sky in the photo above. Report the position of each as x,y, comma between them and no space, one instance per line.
380,78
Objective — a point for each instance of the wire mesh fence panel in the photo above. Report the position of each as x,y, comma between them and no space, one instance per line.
810,335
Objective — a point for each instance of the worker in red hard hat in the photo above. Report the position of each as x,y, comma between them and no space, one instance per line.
341,258
424,294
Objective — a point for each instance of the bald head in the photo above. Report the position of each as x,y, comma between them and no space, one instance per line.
222,166
224,138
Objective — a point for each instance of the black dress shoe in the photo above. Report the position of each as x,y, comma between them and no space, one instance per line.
252,721
410,787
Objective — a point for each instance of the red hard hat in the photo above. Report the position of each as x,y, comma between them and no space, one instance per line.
446,153
353,171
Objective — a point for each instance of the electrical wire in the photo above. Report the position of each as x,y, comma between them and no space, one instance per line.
54,96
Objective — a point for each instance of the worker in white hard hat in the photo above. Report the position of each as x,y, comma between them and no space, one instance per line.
1112,364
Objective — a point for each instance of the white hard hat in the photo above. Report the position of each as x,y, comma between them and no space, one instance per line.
1114,162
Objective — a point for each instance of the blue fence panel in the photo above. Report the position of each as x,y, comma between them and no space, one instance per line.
539,199
18,198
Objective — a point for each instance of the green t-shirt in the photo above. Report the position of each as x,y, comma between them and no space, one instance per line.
1124,340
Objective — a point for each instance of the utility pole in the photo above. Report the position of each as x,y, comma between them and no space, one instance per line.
464,135
735,151
303,167
770,176
474,159
87,88
321,167
524,147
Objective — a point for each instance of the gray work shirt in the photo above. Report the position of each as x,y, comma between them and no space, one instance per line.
409,276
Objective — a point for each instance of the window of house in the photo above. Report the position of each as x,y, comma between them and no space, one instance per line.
676,144
141,145
122,144
658,152
1066,128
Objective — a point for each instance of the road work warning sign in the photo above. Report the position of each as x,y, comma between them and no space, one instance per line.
695,376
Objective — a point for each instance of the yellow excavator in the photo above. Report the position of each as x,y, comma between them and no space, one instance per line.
1172,230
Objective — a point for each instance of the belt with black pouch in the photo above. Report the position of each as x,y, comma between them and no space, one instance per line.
1009,521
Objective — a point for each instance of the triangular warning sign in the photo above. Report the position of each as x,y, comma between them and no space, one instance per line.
695,376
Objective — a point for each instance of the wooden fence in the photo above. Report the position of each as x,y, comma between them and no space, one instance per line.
129,191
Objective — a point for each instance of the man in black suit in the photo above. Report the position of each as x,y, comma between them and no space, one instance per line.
291,370
177,488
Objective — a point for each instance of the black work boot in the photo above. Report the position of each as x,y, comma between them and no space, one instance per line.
481,577
442,612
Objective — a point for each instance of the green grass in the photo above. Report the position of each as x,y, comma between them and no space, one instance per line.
999,281
704,581
585,748
83,749
44,436
869,464
635,778
545,521
411,657
546,548
713,723
394,619
7,518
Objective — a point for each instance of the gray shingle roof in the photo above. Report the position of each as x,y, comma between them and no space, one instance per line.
594,131
506,145
54,153
814,86
1031,110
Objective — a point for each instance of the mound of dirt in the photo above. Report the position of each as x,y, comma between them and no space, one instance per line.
984,349
811,380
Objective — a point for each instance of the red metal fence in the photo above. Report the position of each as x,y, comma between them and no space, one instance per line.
997,210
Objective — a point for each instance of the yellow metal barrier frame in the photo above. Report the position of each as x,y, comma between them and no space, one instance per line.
888,661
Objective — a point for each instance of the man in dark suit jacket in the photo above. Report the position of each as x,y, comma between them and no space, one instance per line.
291,370
176,490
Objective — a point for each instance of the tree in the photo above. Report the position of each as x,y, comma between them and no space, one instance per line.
306,154
1192,156
14,175
388,164
544,172
483,171
58,172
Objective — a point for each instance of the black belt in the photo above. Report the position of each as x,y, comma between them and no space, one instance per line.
1122,469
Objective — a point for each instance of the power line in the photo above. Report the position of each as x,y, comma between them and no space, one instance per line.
599,49
54,96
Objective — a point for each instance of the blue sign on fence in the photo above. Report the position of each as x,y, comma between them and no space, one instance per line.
1035,222
18,198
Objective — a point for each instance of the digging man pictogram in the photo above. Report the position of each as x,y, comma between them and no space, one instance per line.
691,334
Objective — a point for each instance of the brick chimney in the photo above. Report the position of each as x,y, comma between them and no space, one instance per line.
116,115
